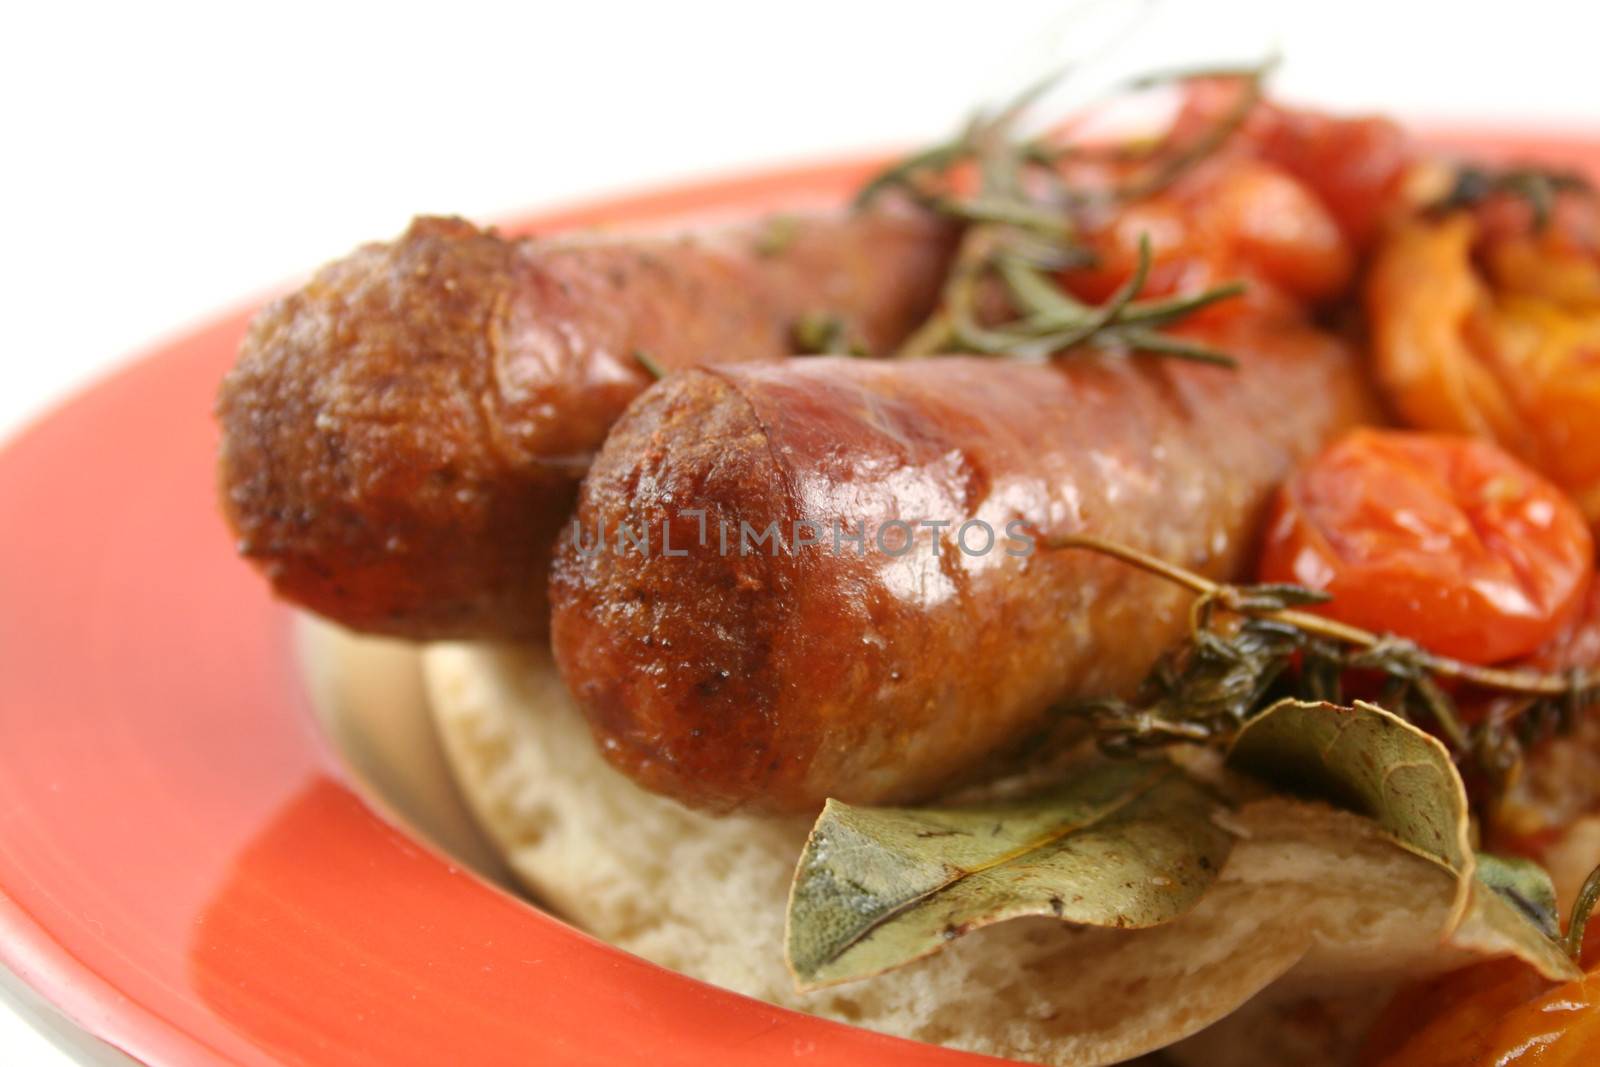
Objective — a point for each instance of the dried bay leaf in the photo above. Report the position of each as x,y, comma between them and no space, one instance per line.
1513,911
1525,886
1369,761
1124,844
1136,844
1366,760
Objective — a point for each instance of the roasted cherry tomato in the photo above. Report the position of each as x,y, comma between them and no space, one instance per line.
1498,1014
1444,540
1357,167
1284,203
1484,322
1232,218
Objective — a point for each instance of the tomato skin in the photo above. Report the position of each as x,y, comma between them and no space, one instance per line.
1497,1014
1231,219
1286,203
1357,166
1444,540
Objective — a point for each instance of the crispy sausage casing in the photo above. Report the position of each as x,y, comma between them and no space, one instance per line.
403,437
733,678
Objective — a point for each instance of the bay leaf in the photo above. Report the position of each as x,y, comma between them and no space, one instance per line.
1366,760
1513,911
1120,844
1369,761
1525,886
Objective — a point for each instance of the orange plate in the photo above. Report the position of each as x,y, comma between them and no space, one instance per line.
184,869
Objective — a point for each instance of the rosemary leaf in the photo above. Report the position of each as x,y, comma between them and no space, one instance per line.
648,362
1135,339
820,334
1023,226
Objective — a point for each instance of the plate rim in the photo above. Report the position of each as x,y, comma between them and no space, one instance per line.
93,1002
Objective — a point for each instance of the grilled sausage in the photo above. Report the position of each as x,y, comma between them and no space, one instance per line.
729,677
403,437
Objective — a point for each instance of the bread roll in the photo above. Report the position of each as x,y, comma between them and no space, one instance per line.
1308,892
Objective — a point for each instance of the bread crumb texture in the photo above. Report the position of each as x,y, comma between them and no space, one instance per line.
1308,893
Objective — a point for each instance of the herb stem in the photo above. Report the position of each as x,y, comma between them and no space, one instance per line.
1022,228
928,339
1582,908
1531,683
1175,574
1024,216
648,362
1212,139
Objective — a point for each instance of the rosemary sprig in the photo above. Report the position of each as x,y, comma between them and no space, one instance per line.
1243,639
1170,169
1023,227
649,363
819,333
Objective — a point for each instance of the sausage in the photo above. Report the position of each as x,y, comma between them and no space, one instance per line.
736,678
402,438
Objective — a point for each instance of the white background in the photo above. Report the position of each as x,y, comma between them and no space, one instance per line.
162,161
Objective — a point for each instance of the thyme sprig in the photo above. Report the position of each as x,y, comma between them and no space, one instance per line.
1243,640
1023,226
1250,646
1537,186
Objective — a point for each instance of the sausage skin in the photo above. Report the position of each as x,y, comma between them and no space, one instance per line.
746,680
403,437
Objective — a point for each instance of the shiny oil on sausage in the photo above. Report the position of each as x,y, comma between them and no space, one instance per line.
733,675
403,437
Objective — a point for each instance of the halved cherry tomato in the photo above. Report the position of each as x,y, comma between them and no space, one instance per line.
1444,540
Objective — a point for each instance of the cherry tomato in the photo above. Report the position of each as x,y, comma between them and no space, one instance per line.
1284,202
1356,166
1230,219
1498,1014
1444,540
1485,323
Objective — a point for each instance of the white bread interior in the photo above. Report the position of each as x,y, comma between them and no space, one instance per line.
1309,896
